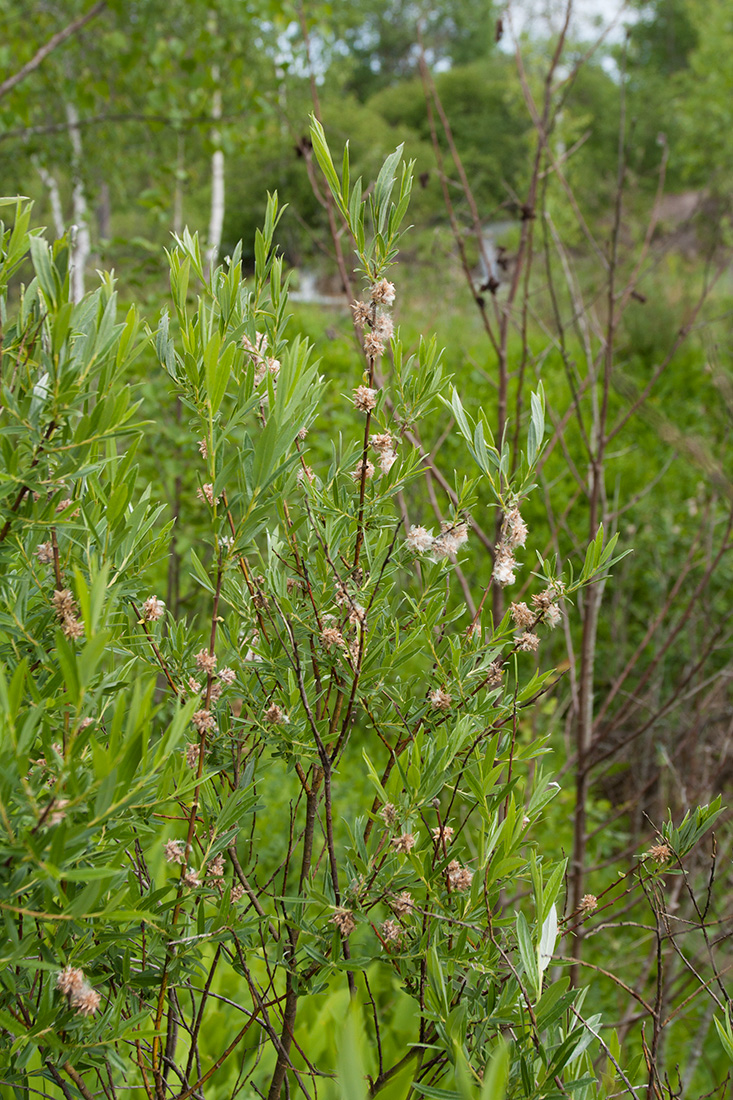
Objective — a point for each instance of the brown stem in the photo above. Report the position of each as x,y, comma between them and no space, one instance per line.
291,998
158,655
362,484
159,1081
22,492
200,1014
77,1079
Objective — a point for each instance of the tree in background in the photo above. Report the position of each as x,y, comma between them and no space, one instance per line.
131,108
659,45
378,41
703,100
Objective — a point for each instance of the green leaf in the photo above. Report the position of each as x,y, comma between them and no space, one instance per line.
496,1074
350,1058
200,573
67,660
41,256
590,1032
323,156
211,361
435,1093
548,939
552,888
554,1002
528,954
536,425
221,377
725,1033
437,981
463,1076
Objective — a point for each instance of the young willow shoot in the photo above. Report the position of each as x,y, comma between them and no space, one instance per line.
217,833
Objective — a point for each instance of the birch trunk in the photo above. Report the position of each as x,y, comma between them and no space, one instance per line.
216,220
80,238
49,182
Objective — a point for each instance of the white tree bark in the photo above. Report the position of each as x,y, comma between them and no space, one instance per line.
80,238
216,220
50,183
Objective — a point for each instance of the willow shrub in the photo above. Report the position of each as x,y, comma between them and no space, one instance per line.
163,932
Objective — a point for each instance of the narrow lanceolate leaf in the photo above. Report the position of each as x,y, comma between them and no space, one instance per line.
536,425
496,1074
351,1070
552,887
222,373
384,186
548,939
725,1033
323,156
528,955
211,362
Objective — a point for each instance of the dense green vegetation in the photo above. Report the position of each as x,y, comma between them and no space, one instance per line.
567,248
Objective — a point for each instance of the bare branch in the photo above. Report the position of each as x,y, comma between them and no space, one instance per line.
56,40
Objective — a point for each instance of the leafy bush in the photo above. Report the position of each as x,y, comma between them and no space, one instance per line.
165,929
